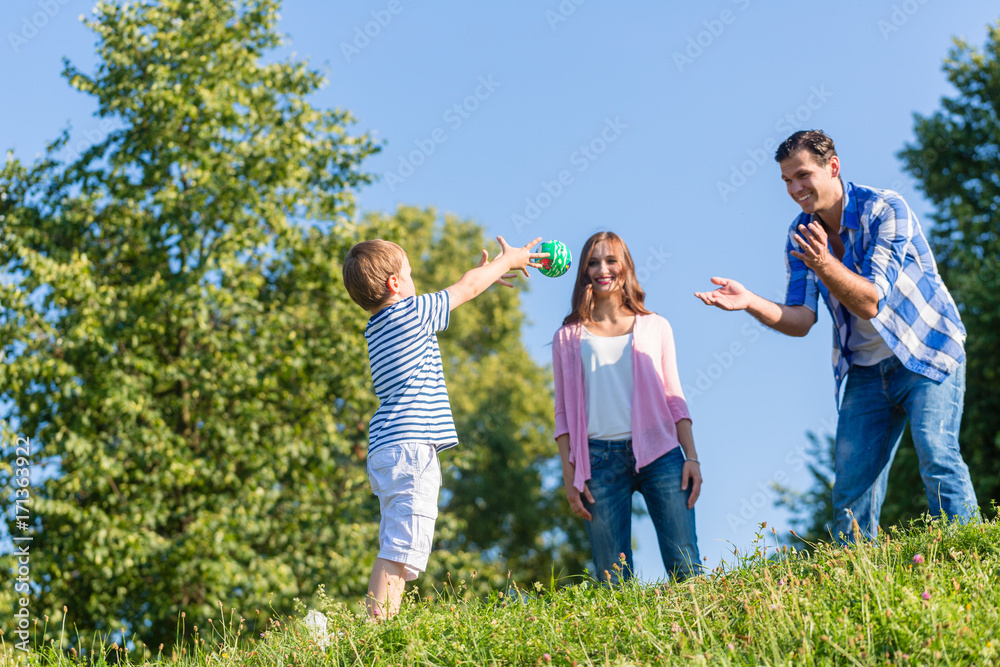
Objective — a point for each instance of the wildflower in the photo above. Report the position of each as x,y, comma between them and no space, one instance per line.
781,582
675,628
546,657
730,647
621,557
926,595
918,559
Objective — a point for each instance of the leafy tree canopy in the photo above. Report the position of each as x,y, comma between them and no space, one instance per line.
954,159
181,351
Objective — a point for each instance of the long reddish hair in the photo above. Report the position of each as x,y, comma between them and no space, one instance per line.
633,297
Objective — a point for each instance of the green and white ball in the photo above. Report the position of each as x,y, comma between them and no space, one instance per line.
558,261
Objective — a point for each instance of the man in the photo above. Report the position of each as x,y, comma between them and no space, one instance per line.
898,336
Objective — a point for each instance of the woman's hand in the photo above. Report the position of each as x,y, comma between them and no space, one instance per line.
691,474
575,499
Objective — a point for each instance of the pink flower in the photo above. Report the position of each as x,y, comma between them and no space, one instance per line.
918,559
926,595
546,657
730,647
621,556
675,628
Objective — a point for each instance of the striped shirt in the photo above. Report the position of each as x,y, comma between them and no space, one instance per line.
407,373
883,242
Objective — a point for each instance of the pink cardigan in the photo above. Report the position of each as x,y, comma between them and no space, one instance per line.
657,398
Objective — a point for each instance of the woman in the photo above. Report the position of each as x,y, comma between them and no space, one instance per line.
622,423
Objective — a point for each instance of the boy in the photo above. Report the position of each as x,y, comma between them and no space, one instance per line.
413,421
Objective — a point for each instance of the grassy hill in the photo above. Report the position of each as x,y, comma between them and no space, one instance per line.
924,595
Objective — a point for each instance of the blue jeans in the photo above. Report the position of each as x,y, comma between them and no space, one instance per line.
877,401
613,481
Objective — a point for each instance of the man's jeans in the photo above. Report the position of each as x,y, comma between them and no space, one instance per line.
873,414
613,481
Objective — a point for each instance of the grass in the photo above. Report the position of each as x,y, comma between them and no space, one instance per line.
925,595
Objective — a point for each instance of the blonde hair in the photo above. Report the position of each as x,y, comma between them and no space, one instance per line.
367,268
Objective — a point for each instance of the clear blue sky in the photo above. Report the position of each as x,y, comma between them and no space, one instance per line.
642,109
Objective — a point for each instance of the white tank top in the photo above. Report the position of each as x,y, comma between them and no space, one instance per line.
607,385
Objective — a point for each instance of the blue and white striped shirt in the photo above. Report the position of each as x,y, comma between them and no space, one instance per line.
407,373
883,242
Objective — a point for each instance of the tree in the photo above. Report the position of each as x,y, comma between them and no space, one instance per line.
180,349
177,342
954,159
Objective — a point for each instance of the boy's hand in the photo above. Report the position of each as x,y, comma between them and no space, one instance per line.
502,280
521,258
474,282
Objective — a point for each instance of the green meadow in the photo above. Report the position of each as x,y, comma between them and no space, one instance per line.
924,595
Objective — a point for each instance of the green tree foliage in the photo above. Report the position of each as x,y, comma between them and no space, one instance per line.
176,342
954,159
181,351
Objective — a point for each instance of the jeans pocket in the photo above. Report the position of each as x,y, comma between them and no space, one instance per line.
599,458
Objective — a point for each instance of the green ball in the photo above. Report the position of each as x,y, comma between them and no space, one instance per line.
558,261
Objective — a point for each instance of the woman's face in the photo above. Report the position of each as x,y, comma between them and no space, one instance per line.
604,269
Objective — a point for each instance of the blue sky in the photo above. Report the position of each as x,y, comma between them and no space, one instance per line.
654,120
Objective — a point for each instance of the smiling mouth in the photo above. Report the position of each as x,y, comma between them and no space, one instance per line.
803,198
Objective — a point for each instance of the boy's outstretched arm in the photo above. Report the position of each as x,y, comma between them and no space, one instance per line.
475,282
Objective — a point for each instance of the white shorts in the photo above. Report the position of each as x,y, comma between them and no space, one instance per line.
406,477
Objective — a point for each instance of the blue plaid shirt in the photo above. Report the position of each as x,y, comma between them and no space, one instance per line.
917,318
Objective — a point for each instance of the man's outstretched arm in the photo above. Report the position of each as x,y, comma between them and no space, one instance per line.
731,295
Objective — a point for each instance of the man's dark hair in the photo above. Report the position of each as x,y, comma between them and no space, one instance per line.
814,141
